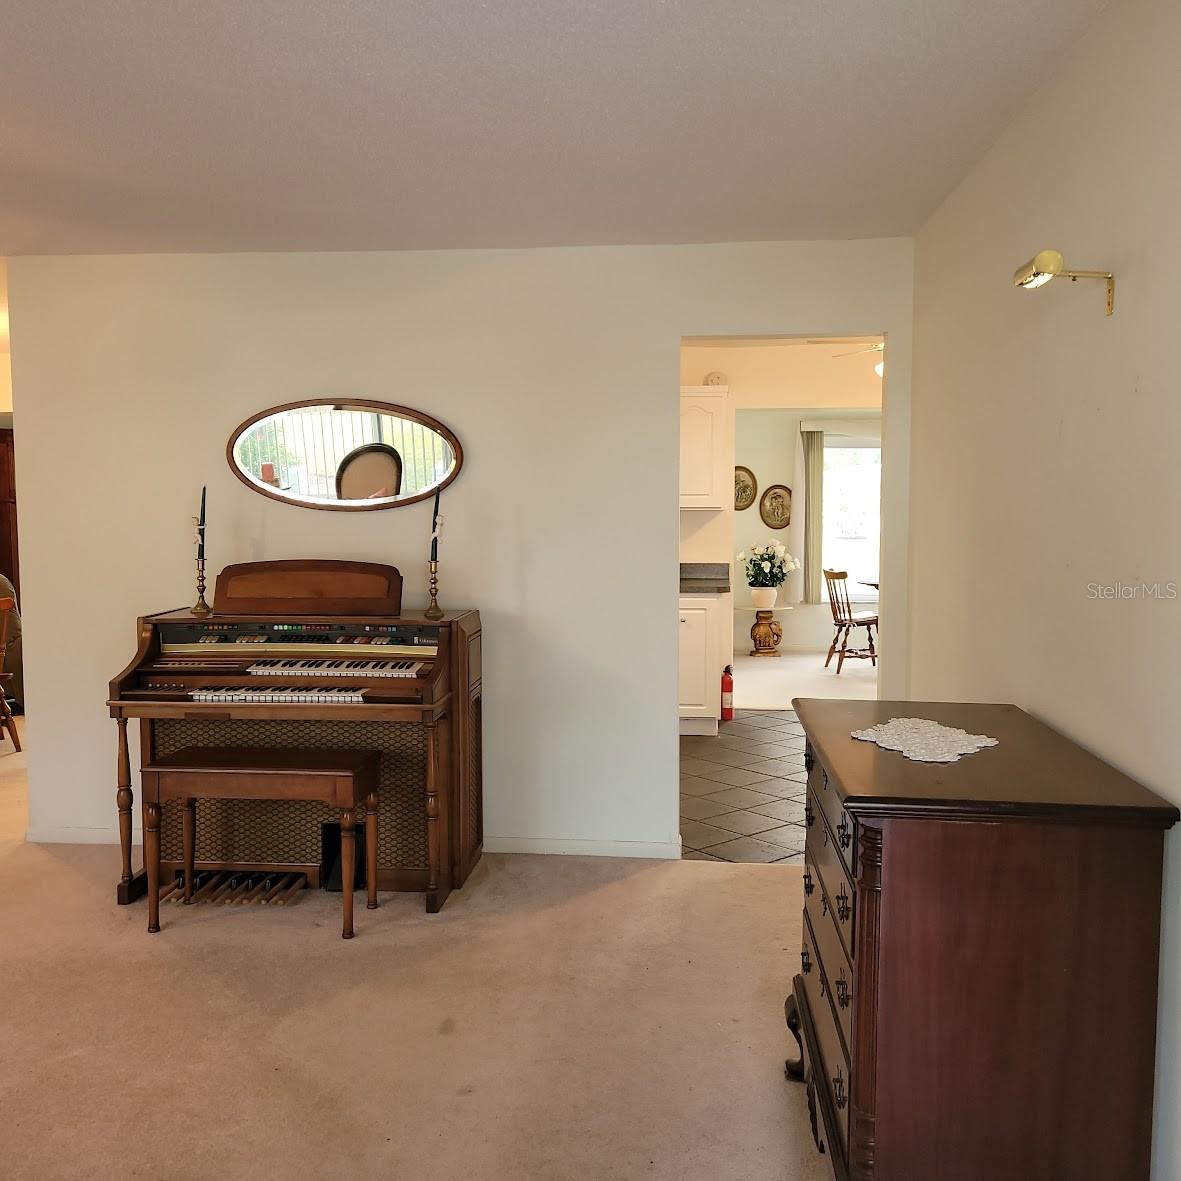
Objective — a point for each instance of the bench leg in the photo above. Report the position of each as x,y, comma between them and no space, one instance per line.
371,849
348,866
189,840
152,860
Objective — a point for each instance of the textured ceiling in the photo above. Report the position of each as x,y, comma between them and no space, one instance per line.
141,125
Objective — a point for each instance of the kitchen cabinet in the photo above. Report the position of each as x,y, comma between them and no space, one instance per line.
699,662
707,447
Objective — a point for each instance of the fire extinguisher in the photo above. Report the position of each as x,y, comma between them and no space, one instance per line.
728,693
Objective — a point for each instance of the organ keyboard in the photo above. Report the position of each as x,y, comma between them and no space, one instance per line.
366,674
292,694
337,668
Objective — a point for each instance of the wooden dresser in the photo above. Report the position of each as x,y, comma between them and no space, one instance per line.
976,998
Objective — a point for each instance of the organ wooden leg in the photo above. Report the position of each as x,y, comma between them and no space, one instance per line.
434,835
131,884
124,798
152,863
189,838
371,850
348,866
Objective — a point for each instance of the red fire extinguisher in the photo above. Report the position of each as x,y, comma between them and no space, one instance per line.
728,693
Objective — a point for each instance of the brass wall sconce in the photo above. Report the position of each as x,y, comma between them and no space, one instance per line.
1048,264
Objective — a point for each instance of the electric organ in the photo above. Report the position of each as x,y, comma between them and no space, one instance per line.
313,654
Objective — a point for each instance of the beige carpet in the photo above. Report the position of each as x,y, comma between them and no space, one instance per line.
562,1018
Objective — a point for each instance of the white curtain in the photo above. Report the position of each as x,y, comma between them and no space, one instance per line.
813,444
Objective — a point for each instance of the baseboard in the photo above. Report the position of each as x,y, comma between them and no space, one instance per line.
704,726
75,836
560,845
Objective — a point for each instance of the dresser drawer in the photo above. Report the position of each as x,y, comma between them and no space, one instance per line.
821,852
840,823
831,1072
835,968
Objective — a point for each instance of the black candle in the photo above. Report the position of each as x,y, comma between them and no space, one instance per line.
201,526
435,528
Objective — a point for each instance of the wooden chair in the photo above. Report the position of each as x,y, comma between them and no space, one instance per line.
7,606
845,619
373,469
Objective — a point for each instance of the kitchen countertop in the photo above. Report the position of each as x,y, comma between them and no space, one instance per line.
705,578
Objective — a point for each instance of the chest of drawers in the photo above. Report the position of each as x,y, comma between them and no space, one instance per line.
976,996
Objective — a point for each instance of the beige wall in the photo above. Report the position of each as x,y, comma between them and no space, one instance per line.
1045,437
559,371
769,377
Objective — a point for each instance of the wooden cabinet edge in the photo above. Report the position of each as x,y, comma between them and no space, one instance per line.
863,1069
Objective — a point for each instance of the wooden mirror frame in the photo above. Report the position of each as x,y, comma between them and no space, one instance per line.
389,408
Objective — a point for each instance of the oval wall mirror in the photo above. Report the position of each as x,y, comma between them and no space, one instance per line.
351,455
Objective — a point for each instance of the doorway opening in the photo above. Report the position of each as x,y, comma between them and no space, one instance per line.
780,572
11,647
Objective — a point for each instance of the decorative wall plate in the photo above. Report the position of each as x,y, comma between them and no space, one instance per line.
715,378
746,488
775,507
923,740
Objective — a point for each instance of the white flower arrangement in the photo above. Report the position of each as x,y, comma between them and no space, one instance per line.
768,565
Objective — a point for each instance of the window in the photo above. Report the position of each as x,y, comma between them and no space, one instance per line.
851,528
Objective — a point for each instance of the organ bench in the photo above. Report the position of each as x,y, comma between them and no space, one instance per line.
344,779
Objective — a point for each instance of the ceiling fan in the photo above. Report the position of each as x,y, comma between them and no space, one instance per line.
880,347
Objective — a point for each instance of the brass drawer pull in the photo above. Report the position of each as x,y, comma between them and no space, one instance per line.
844,905
805,961
843,991
809,884
845,831
838,1090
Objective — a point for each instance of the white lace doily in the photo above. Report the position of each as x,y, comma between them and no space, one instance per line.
923,740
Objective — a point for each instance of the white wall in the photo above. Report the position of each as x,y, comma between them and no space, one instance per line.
1046,437
559,371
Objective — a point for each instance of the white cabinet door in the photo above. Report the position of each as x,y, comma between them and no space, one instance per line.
697,672
693,661
707,448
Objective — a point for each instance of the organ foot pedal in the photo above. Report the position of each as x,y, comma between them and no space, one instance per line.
228,889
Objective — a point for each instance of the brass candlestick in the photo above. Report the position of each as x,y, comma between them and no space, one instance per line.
201,607
434,611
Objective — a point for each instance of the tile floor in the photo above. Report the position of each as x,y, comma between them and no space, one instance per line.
742,792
